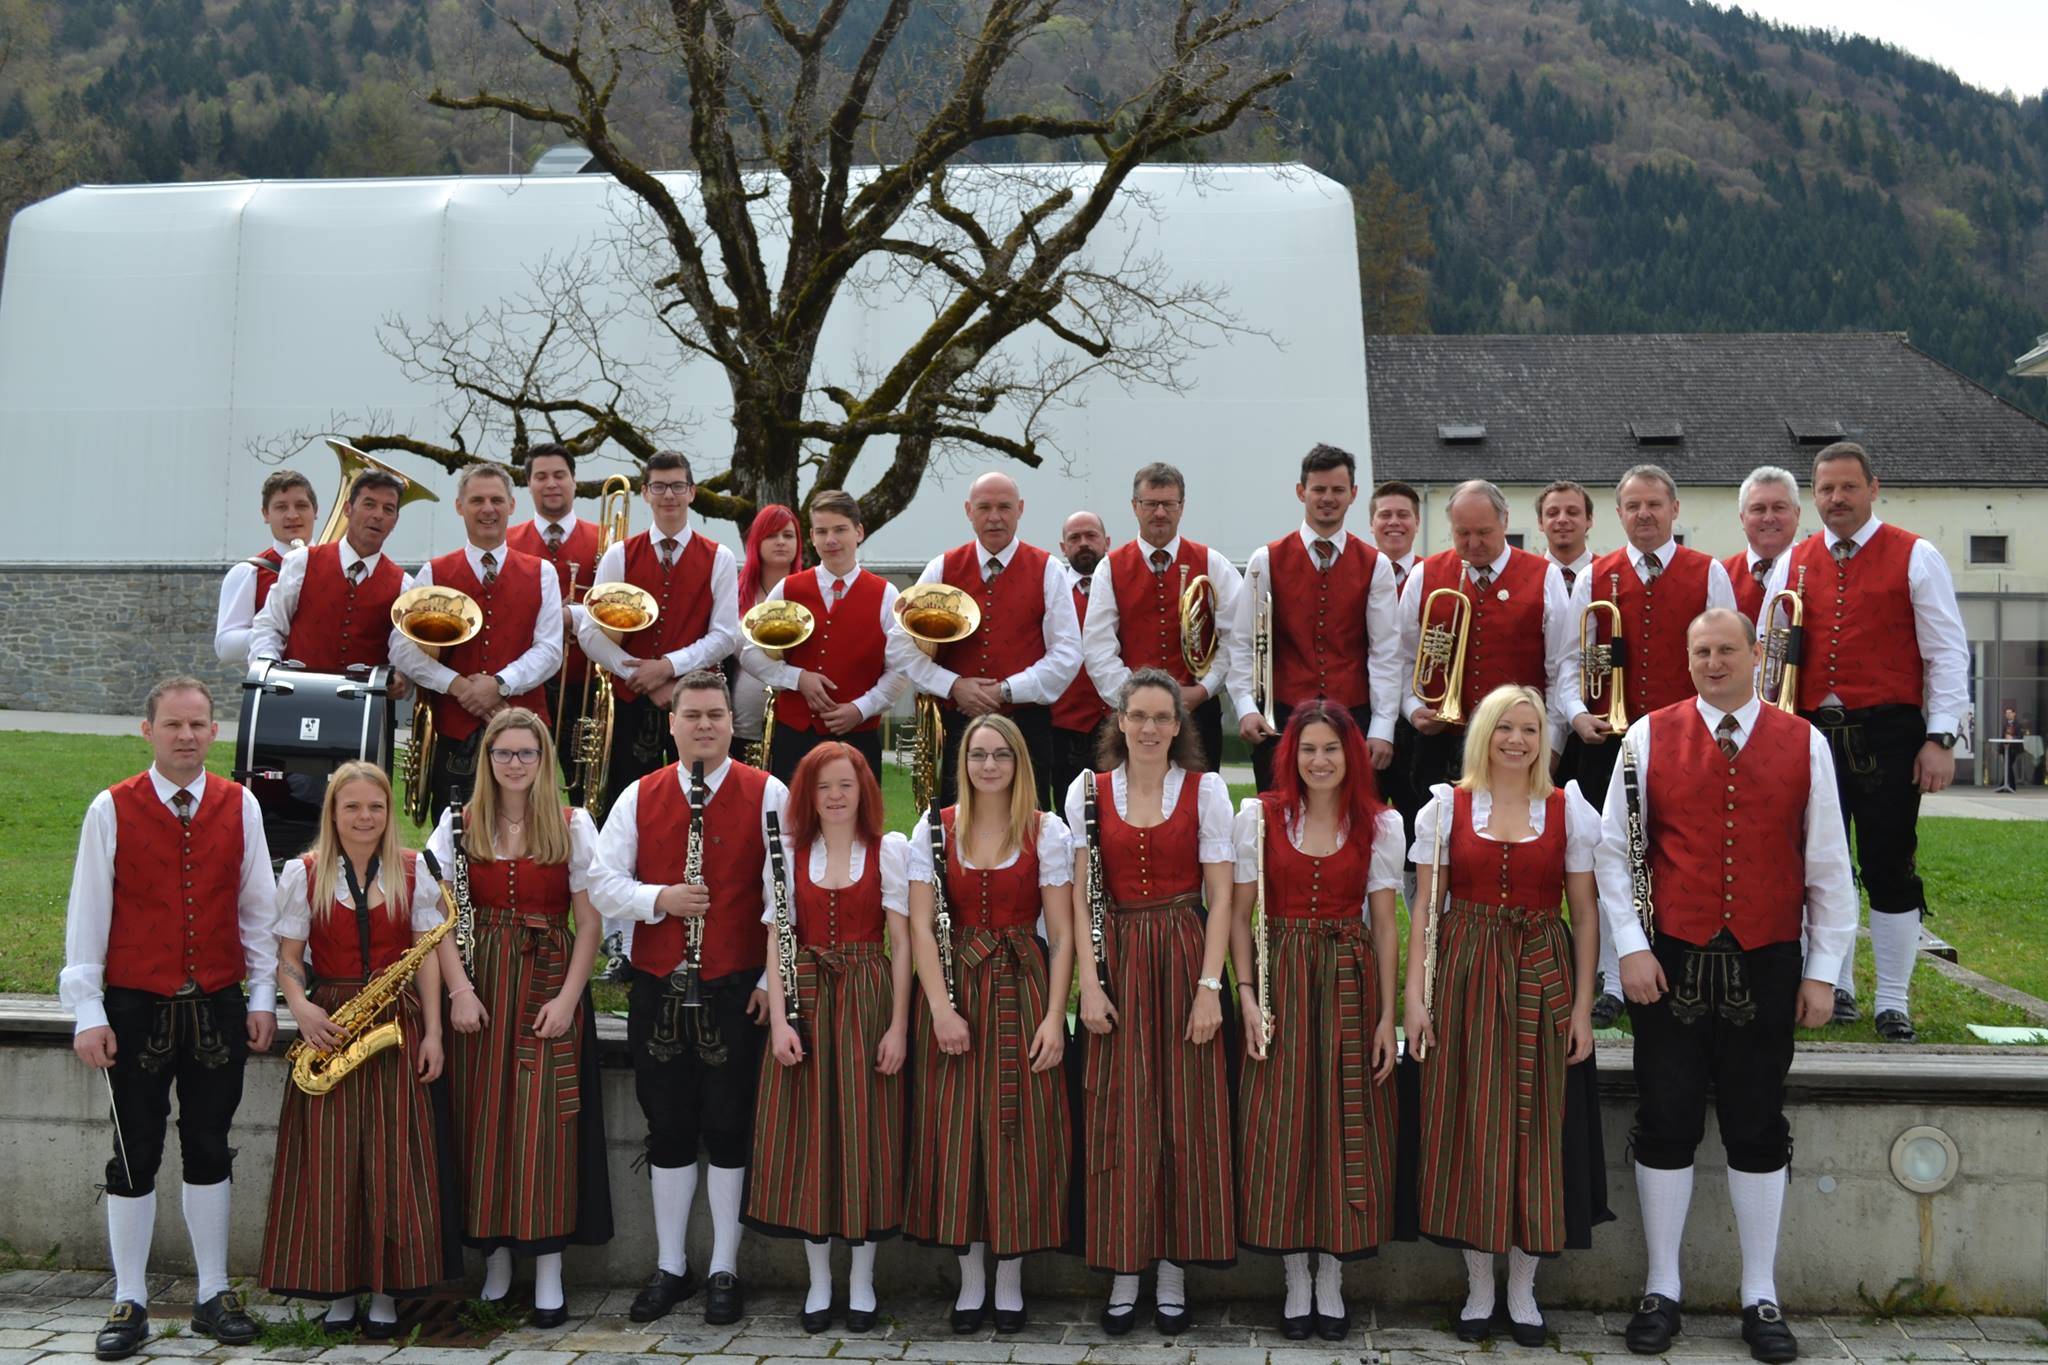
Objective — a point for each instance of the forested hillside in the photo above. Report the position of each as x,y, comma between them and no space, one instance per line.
1582,165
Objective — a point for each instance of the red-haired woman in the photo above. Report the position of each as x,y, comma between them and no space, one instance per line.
774,550
828,1123
1315,1113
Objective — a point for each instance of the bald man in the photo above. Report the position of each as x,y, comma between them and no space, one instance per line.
1084,540
1028,648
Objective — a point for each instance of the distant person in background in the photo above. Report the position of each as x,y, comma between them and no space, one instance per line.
1768,506
567,544
773,551
1564,511
1079,712
2012,756
289,506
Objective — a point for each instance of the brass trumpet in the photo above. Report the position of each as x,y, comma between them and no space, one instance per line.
1438,681
774,627
933,614
434,618
1198,635
1603,666
1783,645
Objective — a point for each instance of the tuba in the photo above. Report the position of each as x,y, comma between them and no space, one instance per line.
933,614
774,627
354,462
1779,685
1603,666
434,618
1198,637
1438,681
619,609
316,1072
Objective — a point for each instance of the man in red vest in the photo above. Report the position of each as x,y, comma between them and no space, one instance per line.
694,1069
508,661
1134,616
1564,511
1885,674
694,582
1335,625
568,545
289,506
1028,648
837,684
1079,712
331,607
1396,515
171,908
1746,873
1768,506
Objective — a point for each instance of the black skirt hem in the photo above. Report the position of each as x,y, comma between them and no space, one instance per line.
960,1248
1230,1264
782,1230
537,1246
325,1295
1363,1254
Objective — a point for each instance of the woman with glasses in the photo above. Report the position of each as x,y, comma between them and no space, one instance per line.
529,1113
1157,1120
1510,1156
1316,1115
991,1149
773,550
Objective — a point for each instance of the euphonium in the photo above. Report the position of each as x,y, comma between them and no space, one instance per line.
774,627
434,618
317,1072
933,614
1603,665
354,462
1438,681
1783,645
1198,635
634,608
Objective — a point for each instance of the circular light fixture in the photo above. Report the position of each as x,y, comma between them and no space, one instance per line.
1924,1159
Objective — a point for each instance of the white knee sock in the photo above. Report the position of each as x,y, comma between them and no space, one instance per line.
1665,1196
1610,967
497,1275
1522,1287
1172,1289
1329,1285
860,1279
1296,1267
1010,1283
206,1218
973,1278
1758,1201
130,1225
1479,1299
1123,1291
1894,942
383,1308
547,1280
675,1189
727,1184
818,1256
342,1310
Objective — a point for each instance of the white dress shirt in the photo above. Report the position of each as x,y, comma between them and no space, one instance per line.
1577,566
1382,633
1101,649
1043,682
236,614
895,874
1055,852
1387,838
1560,640
721,635
1581,825
82,985
582,846
543,657
274,623
1720,593
1937,626
1831,903
754,661
295,913
616,890
1213,814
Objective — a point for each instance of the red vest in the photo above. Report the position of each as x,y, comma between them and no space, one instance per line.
1012,634
511,609
267,564
1080,707
848,914
996,899
338,623
735,940
1526,876
1861,644
848,645
683,594
1151,864
1148,604
177,890
1737,862
1505,643
1749,589
1303,886
578,551
1319,637
519,885
336,942
1654,618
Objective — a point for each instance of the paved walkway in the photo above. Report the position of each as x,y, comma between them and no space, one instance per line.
50,1318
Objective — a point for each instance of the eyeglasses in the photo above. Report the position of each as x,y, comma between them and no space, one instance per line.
669,488
1151,505
522,757
1140,719
997,756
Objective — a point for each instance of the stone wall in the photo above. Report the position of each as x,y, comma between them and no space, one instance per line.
96,637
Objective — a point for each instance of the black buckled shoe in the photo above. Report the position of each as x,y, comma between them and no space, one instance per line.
550,1317
814,1323
127,1328
1333,1326
1769,1336
967,1320
725,1300
1170,1319
862,1319
1655,1322
1845,1008
1476,1329
223,1318
1606,1009
1298,1329
661,1293
373,1330
1893,1026
1117,1318
1010,1321
1529,1333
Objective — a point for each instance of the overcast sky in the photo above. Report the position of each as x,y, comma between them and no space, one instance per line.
1996,44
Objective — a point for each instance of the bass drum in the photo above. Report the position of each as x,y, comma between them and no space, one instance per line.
297,728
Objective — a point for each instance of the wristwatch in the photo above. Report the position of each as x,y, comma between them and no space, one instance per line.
1004,692
504,688
1211,983
1943,738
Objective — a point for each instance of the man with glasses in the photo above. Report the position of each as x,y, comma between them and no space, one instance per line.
694,582
1134,616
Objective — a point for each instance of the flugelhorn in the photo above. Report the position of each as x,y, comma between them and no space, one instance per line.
1198,636
774,627
1438,681
933,614
1783,645
434,618
1603,664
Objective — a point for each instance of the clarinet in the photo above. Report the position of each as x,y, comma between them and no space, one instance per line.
785,931
1640,891
1262,931
684,978
1098,883
465,909
942,917
1418,1048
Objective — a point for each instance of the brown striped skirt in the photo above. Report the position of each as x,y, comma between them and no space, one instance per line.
355,1198
1315,1134
828,1132
991,1153
1158,1128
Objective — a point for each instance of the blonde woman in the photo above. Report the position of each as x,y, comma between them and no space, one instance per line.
355,1198
1510,1155
529,1125
992,1149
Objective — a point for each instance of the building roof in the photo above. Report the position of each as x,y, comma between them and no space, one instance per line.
2034,364
1708,407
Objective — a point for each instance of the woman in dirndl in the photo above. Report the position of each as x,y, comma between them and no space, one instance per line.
1509,1155
1316,1134
828,1123
523,1057
356,1195
990,1146
1157,1128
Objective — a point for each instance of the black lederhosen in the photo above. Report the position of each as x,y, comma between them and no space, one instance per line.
641,743
1262,755
196,1042
689,1105
1874,751
1073,753
1589,765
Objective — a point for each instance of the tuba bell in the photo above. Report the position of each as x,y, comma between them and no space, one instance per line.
1603,664
933,614
625,608
434,618
1198,637
1779,684
1438,681
354,462
774,627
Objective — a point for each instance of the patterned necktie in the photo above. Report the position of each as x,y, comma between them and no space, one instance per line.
555,538
1761,570
1571,576
355,573
1326,552
1844,550
1400,579
991,569
1652,566
1724,735
1482,579
490,562
181,800
1085,583
1160,559
668,553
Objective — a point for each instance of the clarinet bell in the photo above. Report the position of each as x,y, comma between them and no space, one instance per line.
693,995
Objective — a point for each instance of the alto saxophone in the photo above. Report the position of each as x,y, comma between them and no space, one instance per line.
942,916
316,1072
785,932
1098,884
1641,895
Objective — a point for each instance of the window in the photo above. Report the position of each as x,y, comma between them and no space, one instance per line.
1813,431
1657,433
1515,539
1461,433
1989,551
